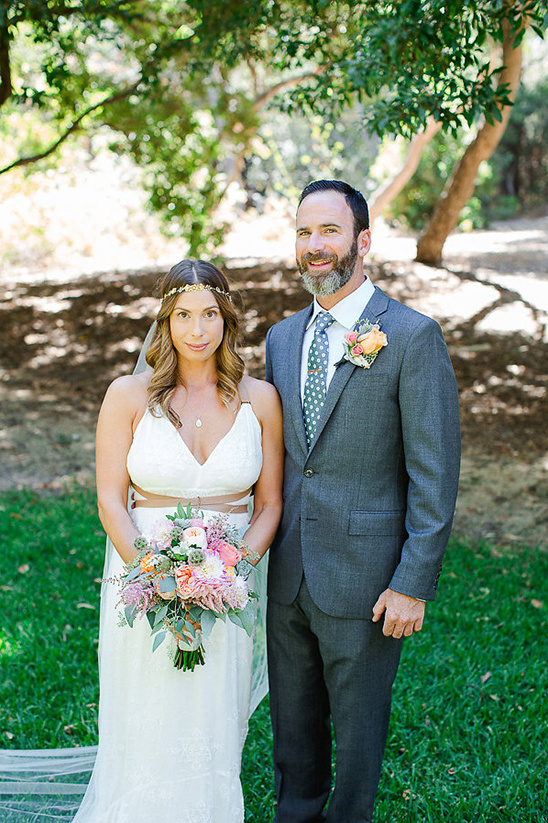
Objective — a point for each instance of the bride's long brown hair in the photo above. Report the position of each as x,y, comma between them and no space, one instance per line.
161,354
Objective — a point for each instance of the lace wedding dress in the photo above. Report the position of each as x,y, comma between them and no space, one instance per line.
170,742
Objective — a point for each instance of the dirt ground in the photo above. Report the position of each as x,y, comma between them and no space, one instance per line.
61,342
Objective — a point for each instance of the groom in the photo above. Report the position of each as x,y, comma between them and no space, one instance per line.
371,474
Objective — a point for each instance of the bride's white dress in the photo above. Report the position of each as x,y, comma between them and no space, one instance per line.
170,742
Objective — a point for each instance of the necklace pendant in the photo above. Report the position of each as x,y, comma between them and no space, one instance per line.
198,423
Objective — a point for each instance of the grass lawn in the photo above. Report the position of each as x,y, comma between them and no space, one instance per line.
468,733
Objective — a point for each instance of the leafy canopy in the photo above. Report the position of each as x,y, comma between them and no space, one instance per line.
182,85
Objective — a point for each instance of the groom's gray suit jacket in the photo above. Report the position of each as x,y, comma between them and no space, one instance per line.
370,504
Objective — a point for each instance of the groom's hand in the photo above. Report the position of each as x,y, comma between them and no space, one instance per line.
403,615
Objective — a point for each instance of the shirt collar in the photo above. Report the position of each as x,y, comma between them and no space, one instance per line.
348,310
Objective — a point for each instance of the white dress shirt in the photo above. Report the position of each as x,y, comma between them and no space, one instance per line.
345,314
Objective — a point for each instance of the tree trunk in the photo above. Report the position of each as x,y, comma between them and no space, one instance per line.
395,184
5,66
461,186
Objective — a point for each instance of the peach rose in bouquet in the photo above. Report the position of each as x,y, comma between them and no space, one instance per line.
195,536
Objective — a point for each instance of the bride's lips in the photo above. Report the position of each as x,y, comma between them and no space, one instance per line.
197,346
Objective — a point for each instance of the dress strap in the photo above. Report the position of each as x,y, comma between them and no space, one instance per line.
218,503
244,394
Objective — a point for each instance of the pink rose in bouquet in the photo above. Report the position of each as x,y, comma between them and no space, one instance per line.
163,533
228,553
185,582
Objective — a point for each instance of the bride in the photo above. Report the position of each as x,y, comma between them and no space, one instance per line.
191,428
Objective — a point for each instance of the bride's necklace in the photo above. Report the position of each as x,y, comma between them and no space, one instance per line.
199,422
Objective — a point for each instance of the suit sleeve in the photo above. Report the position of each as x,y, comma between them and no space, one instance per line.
268,361
429,412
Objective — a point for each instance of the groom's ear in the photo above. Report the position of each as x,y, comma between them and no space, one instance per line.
364,242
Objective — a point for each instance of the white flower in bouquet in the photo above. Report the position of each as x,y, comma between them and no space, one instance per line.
212,567
194,536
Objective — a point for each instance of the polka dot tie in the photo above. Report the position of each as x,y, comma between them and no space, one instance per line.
314,388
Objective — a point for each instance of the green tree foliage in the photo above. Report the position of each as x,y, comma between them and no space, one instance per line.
518,182
513,182
182,84
289,151
410,59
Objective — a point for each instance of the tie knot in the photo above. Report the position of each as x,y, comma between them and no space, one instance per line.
323,321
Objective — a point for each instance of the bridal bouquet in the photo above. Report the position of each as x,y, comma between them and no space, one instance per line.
184,578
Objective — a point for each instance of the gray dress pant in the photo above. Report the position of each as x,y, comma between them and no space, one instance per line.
324,667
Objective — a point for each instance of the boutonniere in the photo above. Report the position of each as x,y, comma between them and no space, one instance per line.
363,343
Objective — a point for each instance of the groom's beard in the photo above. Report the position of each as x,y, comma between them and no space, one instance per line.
323,284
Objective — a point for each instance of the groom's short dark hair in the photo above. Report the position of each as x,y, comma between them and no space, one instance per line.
355,199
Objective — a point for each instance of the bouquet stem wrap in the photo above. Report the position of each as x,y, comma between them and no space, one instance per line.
190,653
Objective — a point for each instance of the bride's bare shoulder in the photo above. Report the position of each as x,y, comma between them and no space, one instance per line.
263,396
130,391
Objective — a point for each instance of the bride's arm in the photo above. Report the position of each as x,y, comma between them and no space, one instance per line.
267,507
122,407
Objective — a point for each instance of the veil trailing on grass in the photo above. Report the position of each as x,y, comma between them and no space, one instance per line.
47,785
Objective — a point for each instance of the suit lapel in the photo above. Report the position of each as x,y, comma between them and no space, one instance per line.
375,307
294,381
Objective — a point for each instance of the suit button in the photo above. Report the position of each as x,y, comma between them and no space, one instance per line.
308,472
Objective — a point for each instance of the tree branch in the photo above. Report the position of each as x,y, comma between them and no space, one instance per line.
395,184
262,99
107,101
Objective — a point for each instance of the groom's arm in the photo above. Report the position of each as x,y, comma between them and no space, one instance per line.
429,415
268,361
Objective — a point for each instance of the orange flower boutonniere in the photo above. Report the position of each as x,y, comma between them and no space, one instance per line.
363,343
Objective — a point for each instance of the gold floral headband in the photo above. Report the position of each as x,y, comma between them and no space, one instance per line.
196,287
